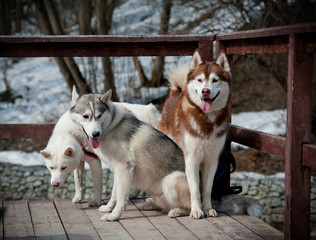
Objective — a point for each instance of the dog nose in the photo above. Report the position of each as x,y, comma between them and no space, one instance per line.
206,92
55,184
95,134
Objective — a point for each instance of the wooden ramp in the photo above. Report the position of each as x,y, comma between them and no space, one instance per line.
61,219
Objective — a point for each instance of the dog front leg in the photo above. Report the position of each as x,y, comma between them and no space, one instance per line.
96,172
192,171
208,173
78,174
122,175
112,202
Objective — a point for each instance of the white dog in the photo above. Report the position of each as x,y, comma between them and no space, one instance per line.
68,150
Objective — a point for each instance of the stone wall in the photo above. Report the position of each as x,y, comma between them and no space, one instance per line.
33,183
269,191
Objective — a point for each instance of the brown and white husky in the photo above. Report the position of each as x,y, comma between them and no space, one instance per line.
196,116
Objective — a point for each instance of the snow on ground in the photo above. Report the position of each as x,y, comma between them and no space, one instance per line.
272,122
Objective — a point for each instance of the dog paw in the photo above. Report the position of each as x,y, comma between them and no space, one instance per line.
198,214
174,213
76,199
94,203
149,205
109,217
105,208
211,213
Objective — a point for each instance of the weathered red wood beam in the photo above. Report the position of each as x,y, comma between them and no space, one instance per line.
309,155
26,130
259,140
206,50
269,32
298,132
267,40
255,139
266,45
85,46
105,38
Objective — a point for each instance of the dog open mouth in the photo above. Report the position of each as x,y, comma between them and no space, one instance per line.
206,103
94,142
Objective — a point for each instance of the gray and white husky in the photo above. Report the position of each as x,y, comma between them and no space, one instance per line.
68,149
140,156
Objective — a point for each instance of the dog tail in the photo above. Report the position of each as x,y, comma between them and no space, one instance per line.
238,204
177,77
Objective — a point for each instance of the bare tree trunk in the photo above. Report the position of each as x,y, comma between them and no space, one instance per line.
5,17
143,78
47,29
84,17
103,11
18,15
50,23
157,73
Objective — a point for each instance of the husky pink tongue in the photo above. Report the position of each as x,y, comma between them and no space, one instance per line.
206,104
94,142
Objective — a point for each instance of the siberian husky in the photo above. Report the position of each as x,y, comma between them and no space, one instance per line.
140,156
68,150
196,116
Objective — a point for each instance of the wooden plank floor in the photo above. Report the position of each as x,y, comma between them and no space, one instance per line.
61,219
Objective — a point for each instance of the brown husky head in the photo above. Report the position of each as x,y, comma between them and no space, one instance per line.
208,83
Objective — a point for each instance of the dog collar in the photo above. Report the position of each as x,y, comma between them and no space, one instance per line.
90,154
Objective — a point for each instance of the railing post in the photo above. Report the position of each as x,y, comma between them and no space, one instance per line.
220,47
298,131
206,50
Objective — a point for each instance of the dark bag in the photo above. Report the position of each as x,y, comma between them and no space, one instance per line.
226,166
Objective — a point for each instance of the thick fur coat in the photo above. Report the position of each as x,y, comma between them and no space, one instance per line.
196,117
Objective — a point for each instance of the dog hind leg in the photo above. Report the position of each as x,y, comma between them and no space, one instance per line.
149,205
176,194
178,212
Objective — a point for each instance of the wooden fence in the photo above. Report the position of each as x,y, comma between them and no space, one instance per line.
298,41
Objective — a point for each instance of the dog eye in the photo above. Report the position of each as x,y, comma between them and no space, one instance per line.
63,168
85,116
199,80
99,116
51,168
215,80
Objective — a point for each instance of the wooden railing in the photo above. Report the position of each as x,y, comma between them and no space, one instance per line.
298,41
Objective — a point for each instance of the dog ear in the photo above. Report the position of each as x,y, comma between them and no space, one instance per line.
196,60
45,154
223,62
75,96
106,97
69,152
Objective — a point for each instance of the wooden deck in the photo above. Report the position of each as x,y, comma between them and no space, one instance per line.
61,219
